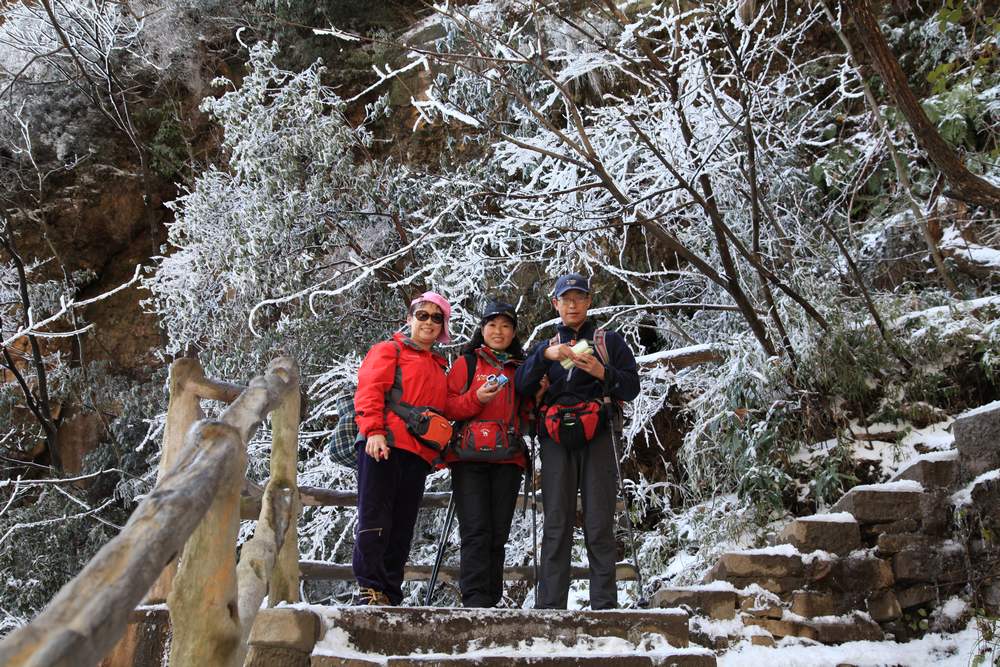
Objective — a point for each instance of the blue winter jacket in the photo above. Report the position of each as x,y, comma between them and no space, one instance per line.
621,371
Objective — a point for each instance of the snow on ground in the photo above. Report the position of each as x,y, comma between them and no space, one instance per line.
908,485
945,312
982,408
933,650
972,253
964,497
833,517
893,453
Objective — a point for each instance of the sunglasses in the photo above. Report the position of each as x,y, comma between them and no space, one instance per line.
423,316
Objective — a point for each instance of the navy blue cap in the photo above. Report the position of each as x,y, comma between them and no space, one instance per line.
571,281
495,308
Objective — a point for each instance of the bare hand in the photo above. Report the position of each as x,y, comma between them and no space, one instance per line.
543,386
377,447
559,352
487,392
590,364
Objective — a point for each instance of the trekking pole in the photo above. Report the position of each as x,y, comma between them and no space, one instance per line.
449,518
534,517
612,412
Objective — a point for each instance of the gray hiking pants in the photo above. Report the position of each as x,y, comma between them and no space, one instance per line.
592,471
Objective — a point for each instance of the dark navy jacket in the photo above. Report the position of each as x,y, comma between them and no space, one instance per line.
620,370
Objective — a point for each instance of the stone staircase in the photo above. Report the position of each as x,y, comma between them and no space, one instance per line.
884,550
316,636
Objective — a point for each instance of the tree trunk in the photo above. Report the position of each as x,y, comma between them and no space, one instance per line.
964,185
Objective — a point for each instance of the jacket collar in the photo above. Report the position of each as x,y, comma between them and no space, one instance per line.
410,343
485,352
587,330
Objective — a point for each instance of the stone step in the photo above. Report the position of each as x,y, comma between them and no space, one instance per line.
884,503
319,570
934,470
942,563
881,605
680,658
407,630
783,570
779,569
359,636
711,600
977,433
828,630
836,533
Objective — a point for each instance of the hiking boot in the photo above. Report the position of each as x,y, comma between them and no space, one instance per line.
370,596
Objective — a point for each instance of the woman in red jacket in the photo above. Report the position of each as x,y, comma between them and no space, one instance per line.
488,458
394,463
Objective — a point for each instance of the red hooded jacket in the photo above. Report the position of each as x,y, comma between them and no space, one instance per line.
424,384
465,406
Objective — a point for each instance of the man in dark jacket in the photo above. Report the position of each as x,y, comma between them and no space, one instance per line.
591,469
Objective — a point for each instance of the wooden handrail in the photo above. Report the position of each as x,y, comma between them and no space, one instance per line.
194,506
89,614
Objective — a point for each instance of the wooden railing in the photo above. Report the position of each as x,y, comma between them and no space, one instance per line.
194,511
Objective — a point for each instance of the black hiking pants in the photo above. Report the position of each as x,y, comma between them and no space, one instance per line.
592,472
485,496
389,495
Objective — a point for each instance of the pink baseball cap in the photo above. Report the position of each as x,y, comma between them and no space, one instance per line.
442,303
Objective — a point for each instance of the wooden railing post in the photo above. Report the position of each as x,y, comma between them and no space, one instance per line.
183,410
284,461
203,610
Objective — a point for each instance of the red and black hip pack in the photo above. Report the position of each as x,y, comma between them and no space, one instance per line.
485,441
428,427
572,422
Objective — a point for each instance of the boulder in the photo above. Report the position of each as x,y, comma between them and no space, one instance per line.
977,438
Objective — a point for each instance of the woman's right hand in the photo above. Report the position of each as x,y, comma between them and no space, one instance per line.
488,391
377,447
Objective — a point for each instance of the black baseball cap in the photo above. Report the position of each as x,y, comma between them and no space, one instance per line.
494,308
572,281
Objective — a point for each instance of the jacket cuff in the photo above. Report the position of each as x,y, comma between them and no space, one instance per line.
376,431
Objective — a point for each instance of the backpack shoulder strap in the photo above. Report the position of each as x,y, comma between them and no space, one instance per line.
601,345
396,392
470,367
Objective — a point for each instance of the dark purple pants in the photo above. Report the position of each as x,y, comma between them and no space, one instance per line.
389,495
